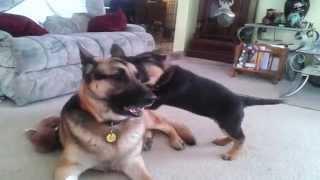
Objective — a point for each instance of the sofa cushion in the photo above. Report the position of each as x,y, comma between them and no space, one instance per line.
36,86
60,25
7,61
6,57
116,21
35,53
18,25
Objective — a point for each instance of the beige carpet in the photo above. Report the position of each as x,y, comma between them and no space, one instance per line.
282,141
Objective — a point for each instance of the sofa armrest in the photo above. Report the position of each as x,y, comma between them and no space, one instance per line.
135,28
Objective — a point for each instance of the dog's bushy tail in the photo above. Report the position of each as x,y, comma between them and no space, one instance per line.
253,101
184,132
45,137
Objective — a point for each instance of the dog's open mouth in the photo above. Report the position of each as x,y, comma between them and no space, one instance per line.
133,110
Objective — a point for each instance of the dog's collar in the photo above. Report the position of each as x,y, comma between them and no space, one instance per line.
113,135
112,123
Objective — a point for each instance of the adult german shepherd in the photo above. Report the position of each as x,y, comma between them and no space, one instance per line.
175,86
103,125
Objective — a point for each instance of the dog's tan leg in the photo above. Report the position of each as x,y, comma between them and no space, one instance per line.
222,141
175,140
234,151
68,169
135,169
161,124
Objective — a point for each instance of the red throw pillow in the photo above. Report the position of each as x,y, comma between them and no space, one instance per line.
110,22
17,25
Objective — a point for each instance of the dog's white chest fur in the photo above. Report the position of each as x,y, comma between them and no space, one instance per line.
109,155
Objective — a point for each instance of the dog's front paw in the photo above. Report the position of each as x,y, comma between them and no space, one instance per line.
227,157
178,144
147,144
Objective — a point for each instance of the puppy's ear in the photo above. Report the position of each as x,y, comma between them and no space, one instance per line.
87,61
117,51
166,77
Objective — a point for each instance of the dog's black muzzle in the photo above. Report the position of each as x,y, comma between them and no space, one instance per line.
132,100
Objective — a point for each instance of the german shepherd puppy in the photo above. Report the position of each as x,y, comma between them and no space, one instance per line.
102,126
181,88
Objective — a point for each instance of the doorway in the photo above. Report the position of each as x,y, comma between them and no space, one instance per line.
158,17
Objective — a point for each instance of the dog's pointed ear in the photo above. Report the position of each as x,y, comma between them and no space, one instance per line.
117,51
87,60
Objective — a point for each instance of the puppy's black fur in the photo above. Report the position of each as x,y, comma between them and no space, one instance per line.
183,89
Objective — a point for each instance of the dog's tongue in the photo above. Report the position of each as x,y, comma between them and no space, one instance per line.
134,110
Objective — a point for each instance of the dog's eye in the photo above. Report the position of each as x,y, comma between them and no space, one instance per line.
98,76
120,75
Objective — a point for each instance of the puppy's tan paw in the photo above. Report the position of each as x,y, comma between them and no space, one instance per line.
178,144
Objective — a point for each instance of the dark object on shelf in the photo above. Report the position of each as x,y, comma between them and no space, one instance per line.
141,11
295,11
216,42
273,17
300,6
315,81
268,61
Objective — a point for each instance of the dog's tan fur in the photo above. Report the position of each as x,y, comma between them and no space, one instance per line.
82,131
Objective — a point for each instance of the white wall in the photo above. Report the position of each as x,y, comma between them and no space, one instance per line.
38,10
187,14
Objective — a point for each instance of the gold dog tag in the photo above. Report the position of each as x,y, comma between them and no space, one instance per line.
111,137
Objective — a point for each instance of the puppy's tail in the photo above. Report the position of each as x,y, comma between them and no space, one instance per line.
45,137
184,132
253,101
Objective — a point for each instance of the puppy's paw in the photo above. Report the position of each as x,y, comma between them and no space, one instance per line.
178,144
147,144
227,157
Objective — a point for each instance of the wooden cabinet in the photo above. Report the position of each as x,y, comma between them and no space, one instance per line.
213,40
267,60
